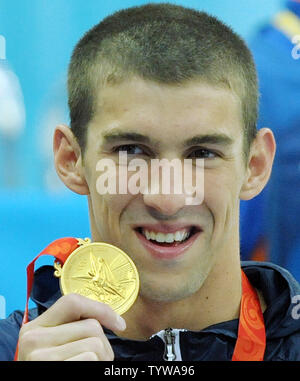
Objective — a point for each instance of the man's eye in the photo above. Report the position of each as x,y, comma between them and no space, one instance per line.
202,153
130,149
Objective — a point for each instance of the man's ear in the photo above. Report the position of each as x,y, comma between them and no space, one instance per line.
260,163
68,160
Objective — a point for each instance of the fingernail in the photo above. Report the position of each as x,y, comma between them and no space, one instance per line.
121,324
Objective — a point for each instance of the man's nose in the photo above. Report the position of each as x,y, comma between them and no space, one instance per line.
164,198
165,204
166,194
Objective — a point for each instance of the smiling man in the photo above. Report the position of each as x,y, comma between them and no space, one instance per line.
162,82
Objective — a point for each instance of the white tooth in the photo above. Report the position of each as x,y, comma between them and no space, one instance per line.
160,237
169,238
178,236
186,234
147,234
153,235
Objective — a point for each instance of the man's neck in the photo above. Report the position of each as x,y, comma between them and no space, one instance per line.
218,300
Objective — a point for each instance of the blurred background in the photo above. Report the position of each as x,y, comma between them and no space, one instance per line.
36,41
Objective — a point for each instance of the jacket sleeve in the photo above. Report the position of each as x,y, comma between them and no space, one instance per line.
9,333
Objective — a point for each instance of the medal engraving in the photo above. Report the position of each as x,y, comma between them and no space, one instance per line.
100,272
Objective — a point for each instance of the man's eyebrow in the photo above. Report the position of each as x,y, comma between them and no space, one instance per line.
220,139
121,136
118,136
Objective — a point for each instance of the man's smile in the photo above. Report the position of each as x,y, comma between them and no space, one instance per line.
167,241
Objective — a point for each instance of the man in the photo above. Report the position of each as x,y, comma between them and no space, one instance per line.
165,82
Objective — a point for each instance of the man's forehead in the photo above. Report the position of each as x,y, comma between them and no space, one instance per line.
144,111
140,99
140,90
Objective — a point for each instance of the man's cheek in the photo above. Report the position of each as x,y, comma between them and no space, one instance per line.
113,179
117,203
217,200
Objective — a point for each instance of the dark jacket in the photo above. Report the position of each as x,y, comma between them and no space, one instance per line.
282,319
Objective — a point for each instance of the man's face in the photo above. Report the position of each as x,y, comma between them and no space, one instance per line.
155,121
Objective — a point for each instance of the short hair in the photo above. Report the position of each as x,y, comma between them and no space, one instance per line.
165,43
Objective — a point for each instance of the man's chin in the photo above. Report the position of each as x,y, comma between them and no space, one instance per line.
168,290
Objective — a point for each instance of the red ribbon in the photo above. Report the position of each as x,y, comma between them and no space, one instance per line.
251,340
60,249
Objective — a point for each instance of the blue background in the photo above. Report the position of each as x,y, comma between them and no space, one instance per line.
40,36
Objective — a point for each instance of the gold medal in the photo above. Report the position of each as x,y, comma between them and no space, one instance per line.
101,272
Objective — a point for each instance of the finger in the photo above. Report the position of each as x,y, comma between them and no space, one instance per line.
74,307
43,337
69,350
86,356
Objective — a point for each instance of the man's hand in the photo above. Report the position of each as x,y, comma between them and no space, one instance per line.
70,330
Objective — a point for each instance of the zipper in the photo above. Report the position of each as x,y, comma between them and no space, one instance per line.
170,338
